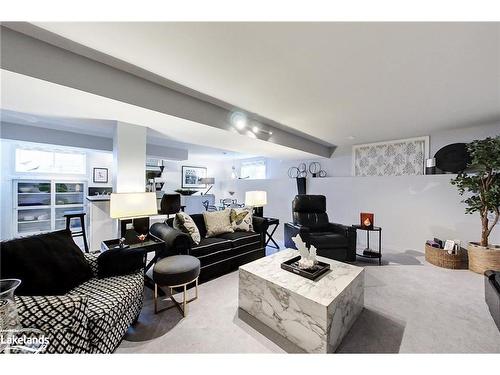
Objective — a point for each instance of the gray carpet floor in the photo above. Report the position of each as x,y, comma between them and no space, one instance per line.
410,307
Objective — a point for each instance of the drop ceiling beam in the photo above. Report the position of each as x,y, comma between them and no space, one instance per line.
35,52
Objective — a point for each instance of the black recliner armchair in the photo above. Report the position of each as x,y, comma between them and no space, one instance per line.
310,220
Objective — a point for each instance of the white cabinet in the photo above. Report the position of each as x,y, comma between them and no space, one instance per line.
39,205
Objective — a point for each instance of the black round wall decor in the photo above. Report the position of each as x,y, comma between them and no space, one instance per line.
452,158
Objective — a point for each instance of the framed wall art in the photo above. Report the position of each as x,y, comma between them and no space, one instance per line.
401,157
100,175
191,177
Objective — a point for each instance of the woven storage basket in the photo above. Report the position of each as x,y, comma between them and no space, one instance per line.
441,258
483,258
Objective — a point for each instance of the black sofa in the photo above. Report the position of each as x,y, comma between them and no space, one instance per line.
310,220
218,255
492,294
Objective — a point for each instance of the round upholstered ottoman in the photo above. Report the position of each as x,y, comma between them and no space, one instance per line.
175,272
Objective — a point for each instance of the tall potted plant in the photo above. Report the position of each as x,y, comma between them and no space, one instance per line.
482,190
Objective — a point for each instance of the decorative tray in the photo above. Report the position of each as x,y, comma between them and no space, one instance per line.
112,244
292,265
131,241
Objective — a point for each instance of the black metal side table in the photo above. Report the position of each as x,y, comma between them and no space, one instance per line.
369,253
276,223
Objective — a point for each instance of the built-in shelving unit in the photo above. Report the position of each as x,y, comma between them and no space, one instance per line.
39,205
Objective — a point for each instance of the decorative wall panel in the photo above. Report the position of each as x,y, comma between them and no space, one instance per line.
395,158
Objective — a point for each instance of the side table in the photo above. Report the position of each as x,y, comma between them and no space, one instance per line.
149,245
275,222
369,253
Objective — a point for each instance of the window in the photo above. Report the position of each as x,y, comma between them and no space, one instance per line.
50,161
253,169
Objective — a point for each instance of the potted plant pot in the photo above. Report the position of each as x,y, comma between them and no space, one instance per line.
483,258
481,187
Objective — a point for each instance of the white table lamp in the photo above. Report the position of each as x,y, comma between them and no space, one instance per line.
256,199
133,206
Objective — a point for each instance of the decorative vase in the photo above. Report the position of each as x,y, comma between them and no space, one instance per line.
301,185
8,311
9,320
483,258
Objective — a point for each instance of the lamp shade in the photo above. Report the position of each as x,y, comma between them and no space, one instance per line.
132,205
255,198
207,180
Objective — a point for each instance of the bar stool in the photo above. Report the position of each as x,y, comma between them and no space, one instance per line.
81,233
170,204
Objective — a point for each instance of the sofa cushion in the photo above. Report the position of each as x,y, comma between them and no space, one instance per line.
224,255
217,222
46,264
241,238
241,219
186,224
327,240
109,300
209,246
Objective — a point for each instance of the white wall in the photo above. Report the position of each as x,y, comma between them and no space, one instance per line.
340,164
411,209
98,159
173,173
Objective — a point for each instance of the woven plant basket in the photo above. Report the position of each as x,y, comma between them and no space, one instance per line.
441,258
483,258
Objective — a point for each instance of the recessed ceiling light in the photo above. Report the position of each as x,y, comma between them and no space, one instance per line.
255,129
239,120
240,124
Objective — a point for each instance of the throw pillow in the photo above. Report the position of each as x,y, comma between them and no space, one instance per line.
47,264
217,222
118,262
241,219
185,223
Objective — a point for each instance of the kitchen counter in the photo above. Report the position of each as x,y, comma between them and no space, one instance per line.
94,198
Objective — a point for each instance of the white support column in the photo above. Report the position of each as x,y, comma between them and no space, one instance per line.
129,158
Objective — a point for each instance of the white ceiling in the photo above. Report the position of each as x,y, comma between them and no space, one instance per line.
96,115
373,81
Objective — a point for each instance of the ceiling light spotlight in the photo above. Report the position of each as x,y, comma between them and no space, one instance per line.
270,133
255,129
240,124
239,120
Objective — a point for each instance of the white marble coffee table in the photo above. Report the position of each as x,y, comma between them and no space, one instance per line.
314,315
